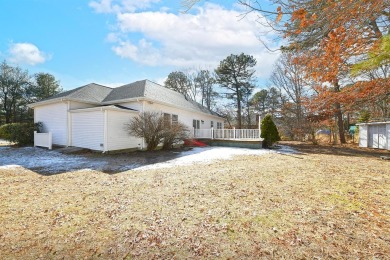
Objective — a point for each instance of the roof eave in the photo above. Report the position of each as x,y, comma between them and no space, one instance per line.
179,107
374,123
60,99
116,101
92,109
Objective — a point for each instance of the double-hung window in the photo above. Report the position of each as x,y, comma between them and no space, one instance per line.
196,124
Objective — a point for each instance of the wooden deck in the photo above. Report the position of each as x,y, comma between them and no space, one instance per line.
243,138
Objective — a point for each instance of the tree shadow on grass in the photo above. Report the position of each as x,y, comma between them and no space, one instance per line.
51,162
340,150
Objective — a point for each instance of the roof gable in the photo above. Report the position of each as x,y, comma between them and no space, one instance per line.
91,93
132,90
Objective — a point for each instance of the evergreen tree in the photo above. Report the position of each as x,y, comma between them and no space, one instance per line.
269,132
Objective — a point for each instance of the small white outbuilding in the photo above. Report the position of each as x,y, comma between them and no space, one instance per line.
375,135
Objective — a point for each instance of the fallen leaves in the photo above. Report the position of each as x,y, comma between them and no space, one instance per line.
277,206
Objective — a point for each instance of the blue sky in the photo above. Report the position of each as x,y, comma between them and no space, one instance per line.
114,42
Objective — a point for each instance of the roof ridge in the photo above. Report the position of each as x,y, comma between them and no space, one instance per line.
99,85
87,85
171,90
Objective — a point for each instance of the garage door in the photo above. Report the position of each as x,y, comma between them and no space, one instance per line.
88,130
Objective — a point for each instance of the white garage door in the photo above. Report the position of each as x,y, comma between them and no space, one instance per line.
88,130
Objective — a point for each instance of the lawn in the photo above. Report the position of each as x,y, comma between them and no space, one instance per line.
325,202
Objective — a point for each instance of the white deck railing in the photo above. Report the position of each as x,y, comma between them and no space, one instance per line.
227,133
43,139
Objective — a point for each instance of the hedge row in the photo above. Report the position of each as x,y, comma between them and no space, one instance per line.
20,133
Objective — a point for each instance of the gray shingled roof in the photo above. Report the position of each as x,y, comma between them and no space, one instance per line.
132,90
95,93
91,93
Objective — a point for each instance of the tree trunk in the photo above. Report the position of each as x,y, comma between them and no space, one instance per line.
339,117
7,111
340,123
238,108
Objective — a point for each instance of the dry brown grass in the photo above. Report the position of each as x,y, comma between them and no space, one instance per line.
316,204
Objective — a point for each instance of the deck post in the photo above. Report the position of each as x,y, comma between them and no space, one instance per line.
259,126
234,133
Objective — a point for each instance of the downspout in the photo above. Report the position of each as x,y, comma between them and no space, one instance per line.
105,142
69,126
142,111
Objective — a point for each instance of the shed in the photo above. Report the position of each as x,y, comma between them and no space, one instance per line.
375,135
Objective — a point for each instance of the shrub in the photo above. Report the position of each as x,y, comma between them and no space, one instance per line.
150,126
20,133
173,134
155,130
269,132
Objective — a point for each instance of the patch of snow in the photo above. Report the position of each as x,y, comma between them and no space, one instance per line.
284,149
10,166
206,155
52,161
48,160
4,142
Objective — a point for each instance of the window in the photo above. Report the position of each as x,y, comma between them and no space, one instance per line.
219,125
167,119
212,124
175,119
196,124
170,119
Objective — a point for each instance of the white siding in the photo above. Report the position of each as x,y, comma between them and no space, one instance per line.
388,135
133,105
88,130
117,135
54,118
186,117
382,142
363,140
78,105
375,135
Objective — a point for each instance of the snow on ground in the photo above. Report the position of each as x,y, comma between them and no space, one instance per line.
52,161
4,142
38,158
205,155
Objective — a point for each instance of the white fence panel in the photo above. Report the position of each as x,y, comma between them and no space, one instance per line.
203,133
43,139
227,133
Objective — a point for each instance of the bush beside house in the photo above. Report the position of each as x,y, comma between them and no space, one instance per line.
269,132
155,130
20,133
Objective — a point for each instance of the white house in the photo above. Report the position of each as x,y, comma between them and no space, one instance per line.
94,116
375,135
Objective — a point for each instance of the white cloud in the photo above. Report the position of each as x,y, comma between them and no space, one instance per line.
116,6
192,40
26,53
